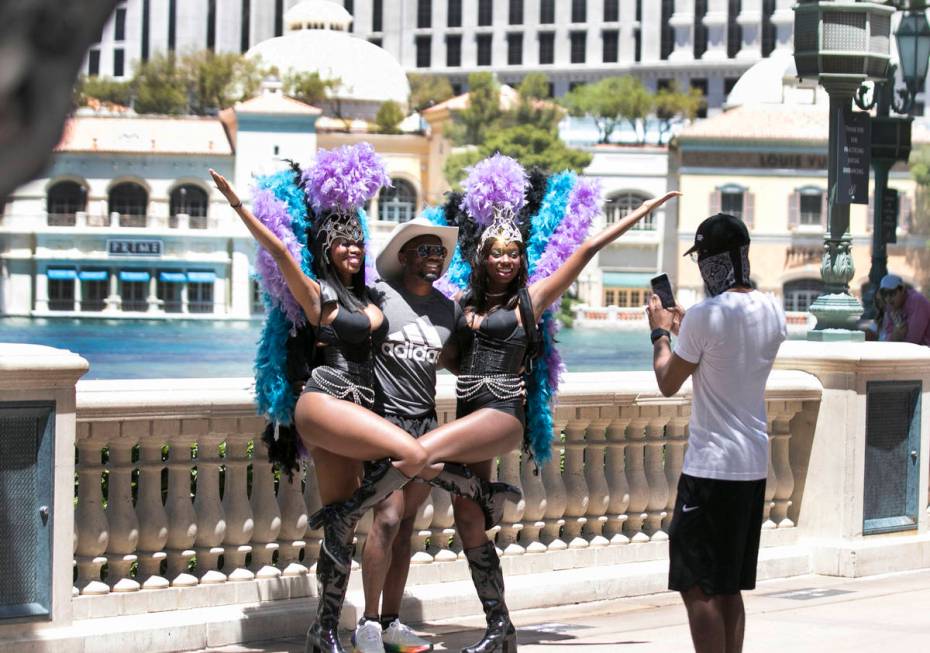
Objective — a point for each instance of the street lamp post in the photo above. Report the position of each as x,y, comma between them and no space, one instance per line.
841,43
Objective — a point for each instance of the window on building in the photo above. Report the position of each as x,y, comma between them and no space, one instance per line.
611,42
279,15
245,35
637,44
377,15
454,13
731,201
424,51
701,85
811,206
146,27
611,11
63,200
728,84
547,12
170,290
173,24
424,13
484,49
667,33
514,49
800,294
515,15
211,24
546,47
397,204
769,33
578,46
119,62
624,297
134,290
579,11
60,290
199,296
485,13
700,29
119,24
734,30
375,41
95,287
93,63
619,205
453,50
191,200
131,201
610,297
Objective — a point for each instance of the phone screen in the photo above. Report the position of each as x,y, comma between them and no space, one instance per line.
663,288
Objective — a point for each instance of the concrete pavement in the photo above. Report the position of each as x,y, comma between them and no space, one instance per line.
816,614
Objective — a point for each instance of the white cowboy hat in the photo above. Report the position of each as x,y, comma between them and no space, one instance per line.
388,265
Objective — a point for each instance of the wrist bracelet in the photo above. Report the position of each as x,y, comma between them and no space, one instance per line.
659,333
237,204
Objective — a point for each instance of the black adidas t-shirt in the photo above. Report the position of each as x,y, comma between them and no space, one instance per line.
405,362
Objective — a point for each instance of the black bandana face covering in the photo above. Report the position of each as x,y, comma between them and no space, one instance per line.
725,270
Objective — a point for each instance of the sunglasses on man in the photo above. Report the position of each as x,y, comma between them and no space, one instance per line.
427,251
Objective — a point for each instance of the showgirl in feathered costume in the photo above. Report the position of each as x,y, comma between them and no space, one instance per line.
522,243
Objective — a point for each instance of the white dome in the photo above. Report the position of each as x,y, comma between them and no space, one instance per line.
773,81
368,72
317,14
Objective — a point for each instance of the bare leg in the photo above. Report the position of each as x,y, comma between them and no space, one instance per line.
337,476
349,430
478,437
734,616
706,619
396,579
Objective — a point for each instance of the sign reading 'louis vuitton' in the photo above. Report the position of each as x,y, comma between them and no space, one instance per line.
762,160
134,247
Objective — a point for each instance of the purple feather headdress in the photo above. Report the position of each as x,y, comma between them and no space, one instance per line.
345,178
274,214
497,182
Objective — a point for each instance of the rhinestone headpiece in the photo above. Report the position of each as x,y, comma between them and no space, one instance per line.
342,225
503,227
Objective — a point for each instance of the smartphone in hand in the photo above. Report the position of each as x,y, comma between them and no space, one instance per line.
663,288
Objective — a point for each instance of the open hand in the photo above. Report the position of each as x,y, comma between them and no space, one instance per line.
222,185
651,205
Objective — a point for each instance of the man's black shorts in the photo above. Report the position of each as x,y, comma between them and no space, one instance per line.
714,535
414,425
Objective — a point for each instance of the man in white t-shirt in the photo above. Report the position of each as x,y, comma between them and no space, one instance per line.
728,343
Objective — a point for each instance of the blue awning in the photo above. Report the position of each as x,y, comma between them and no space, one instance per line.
201,277
59,273
93,275
172,277
627,279
134,275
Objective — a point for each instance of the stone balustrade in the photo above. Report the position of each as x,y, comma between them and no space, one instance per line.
174,488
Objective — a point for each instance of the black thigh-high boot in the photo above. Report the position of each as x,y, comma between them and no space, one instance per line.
323,636
490,496
338,519
485,566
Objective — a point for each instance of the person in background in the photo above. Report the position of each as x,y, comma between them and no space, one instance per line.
909,310
727,343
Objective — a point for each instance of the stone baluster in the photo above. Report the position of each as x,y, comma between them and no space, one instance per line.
556,496
422,525
616,476
121,514
294,518
182,520
313,539
265,511
240,523
535,505
784,483
596,477
574,475
656,511
636,476
770,480
211,518
153,518
676,440
90,521
509,472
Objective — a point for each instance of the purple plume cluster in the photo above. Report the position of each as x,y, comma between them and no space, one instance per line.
495,182
345,178
273,214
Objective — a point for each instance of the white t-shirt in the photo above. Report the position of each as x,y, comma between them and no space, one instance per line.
733,338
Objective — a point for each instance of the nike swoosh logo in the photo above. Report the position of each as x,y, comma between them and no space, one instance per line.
687,508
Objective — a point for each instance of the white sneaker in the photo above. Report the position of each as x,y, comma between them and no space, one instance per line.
367,638
399,638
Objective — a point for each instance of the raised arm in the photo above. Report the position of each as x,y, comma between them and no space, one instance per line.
545,291
305,290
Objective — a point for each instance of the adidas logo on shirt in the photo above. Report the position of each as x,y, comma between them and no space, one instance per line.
419,342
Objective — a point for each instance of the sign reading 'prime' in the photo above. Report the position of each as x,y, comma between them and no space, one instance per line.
134,247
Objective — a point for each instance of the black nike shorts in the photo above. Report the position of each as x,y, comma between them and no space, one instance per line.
714,535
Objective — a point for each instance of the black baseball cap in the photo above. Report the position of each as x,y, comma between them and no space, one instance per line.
719,233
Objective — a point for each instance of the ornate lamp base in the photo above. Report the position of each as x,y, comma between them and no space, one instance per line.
837,315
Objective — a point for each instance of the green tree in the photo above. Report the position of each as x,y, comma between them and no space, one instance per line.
672,106
160,85
482,114
427,90
611,102
216,81
389,117
103,89
534,106
309,87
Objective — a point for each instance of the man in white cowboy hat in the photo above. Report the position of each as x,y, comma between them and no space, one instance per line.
421,321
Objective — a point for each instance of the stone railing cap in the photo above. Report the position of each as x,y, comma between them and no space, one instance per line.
816,357
26,367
